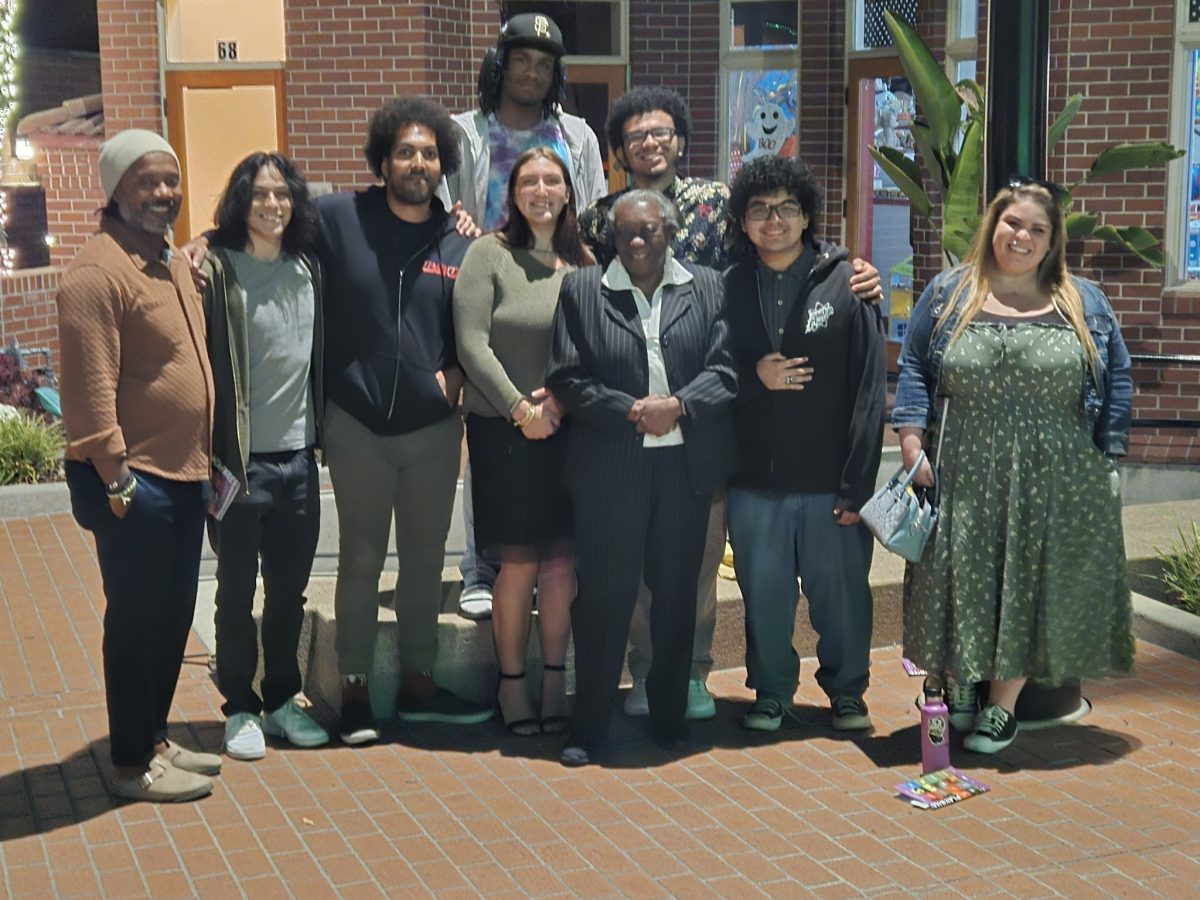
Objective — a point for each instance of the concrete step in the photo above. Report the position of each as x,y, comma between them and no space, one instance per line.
466,661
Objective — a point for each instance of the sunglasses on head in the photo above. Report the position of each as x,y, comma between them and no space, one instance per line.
1057,194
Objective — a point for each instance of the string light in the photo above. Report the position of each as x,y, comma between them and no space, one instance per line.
10,51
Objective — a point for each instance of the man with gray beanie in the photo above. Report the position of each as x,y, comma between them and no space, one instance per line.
137,397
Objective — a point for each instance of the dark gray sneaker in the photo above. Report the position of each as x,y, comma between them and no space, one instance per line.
440,706
357,723
850,714
995,729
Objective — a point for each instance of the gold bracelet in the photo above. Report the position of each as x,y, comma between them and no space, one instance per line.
124,491
530,412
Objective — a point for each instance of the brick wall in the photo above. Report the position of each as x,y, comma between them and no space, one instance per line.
821,118
129,64
676,44
346,57
1117,53
27,311
69,168
48,77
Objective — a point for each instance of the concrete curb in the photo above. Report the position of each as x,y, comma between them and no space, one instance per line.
1164,625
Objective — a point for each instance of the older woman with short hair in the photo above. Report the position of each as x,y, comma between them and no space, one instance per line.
641,362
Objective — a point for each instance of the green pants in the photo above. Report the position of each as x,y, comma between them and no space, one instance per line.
409,478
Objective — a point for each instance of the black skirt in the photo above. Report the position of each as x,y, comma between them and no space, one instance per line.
517,484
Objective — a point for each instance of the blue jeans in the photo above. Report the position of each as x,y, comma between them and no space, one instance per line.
150,562
777,538
278,520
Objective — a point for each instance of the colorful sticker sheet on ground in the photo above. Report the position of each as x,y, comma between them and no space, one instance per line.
941,788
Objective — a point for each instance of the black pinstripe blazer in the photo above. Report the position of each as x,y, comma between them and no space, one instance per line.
598,369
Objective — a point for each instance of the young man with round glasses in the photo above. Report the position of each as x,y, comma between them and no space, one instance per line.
648,130
811,399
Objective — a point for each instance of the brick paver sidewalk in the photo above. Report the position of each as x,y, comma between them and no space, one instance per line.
1109,807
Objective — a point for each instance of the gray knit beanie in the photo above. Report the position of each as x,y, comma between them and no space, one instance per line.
125,148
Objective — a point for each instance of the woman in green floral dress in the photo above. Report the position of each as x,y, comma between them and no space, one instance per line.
1022,369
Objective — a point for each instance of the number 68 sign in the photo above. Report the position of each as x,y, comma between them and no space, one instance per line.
227,51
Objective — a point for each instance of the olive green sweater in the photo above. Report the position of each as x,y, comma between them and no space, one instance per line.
504,302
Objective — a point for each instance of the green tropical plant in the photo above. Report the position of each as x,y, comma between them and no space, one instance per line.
951,147
31,449
1181,569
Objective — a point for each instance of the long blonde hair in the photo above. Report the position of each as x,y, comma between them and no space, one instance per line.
1052,275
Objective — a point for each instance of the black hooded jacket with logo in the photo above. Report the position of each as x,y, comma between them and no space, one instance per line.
389,324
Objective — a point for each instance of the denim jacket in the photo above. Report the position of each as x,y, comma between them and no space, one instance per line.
1106,397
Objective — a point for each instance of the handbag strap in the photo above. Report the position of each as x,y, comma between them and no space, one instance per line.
910,474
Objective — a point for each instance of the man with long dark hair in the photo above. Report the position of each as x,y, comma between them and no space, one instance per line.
263,307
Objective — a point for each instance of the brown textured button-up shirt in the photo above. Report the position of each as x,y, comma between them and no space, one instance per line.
135,382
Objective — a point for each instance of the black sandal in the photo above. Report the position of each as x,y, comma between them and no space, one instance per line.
524,727
553,724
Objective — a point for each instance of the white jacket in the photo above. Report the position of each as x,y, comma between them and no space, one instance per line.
470,183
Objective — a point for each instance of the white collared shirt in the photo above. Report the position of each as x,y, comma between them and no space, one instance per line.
650,312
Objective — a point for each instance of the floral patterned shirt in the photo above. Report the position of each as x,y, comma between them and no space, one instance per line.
704,206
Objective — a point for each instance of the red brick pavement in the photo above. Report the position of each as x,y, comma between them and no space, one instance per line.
1105,808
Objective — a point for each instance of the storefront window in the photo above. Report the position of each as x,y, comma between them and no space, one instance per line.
762,115
870,31
763,26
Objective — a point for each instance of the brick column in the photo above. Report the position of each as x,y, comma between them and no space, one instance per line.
129,64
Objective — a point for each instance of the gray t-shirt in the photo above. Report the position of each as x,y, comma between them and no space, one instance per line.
280,307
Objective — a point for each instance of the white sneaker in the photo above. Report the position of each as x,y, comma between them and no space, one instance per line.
244,737
636,702
294,724
475,603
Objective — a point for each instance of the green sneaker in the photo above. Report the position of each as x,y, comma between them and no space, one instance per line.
441,706
294,724
700,704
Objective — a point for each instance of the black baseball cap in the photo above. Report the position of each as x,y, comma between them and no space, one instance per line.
532,30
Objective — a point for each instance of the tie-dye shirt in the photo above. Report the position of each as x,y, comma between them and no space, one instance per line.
505,145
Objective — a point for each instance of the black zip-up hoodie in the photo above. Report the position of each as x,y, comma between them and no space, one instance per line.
389,324
826,439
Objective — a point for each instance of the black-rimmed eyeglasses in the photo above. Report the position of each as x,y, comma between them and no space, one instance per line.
760,212
661,135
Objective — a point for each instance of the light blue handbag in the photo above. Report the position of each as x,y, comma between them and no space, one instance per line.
900,517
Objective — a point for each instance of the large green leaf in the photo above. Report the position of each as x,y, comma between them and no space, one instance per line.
961,209
907,175
1136,240
939,103
1122,157
972,95
1081,225
1055,132
932,160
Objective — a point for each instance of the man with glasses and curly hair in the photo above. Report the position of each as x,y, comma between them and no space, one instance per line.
811,400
